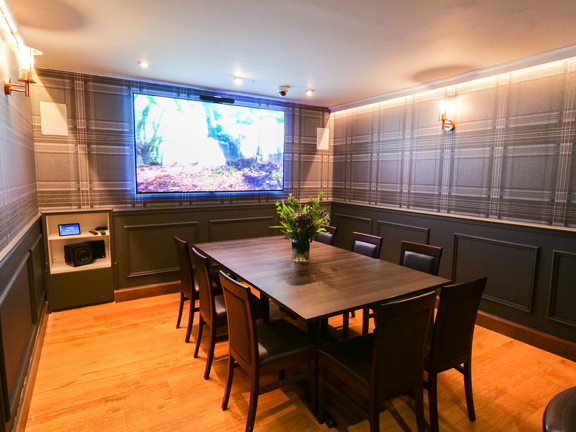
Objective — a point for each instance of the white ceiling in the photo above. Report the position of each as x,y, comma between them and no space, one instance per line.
345,50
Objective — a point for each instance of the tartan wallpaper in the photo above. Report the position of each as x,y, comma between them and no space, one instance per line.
93,167
510,157
18,198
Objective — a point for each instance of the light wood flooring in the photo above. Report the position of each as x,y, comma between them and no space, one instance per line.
125,367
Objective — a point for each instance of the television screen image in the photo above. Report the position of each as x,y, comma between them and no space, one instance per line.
192,146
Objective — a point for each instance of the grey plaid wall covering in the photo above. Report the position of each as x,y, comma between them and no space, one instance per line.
93,167
511,156
18,199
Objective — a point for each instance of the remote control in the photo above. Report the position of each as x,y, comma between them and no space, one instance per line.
93,232
102,232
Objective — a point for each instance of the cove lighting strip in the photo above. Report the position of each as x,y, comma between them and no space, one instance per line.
10,23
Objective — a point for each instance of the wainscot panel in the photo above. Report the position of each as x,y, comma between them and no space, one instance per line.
144,239
562,288
22,297
348,224
530,268
516,274
395,233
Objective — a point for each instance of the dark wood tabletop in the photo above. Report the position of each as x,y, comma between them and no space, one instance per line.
333,282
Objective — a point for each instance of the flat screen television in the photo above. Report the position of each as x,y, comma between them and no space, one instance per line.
191,146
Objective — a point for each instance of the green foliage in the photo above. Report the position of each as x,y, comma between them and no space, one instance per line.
148,141
302,222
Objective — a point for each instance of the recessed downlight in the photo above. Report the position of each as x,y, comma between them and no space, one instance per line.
144,64
309,92
237,80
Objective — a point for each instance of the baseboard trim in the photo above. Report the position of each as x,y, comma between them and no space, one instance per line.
544,341
145,291
28,391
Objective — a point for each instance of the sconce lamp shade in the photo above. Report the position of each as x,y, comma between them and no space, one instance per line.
443,107
26,70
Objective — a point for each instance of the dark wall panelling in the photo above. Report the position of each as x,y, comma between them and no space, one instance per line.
150,248
241,228
36,277
16,332
563,288
144,241
475,257
347,224
394,233
517,259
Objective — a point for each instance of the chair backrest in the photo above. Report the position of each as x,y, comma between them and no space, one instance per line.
418,256
328,237
454,325
401,338
186,271
366,244
241,327
205,295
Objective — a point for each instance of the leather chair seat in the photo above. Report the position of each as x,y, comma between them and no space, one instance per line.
560,414
279,340
353,356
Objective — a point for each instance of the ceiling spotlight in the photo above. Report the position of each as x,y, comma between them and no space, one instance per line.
144,64
237,80
309,92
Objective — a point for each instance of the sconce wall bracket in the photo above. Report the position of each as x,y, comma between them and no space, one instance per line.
9,87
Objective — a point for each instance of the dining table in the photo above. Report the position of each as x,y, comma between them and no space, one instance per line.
335,281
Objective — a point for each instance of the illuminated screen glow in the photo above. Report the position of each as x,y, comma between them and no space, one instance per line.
191,146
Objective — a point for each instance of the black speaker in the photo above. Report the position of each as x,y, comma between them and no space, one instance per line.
216,99
98,249
78,254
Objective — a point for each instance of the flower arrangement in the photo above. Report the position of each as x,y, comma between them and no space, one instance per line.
301,223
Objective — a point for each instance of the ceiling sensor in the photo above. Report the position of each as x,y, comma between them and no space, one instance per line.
283,90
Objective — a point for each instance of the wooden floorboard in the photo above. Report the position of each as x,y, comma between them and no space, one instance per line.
125,367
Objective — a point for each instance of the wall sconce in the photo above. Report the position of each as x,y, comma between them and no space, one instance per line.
444,106
26,67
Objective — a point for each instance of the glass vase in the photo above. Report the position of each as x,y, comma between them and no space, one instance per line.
300,251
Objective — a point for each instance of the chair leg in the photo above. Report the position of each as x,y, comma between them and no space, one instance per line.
199,336
365,320
253,404
210,351
190,321
228,383
345,325
433,400
374,416
180,309
419,402
468,389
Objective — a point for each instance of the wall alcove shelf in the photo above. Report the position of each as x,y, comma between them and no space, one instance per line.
71,286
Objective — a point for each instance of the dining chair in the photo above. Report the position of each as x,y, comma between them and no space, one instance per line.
421,257
261,348
380,365
370,246
451,342
366,244
212,308
328,237
560,413
188,289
